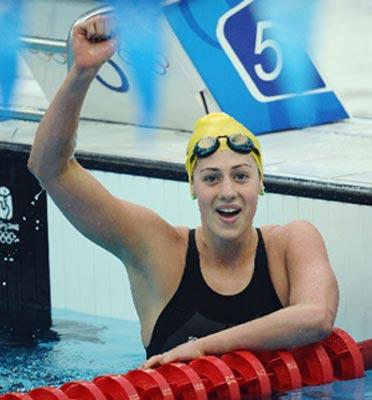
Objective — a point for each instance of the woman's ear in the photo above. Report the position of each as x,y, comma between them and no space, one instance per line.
262,188
192,190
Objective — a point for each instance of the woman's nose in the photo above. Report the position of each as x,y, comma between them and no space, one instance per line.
228,191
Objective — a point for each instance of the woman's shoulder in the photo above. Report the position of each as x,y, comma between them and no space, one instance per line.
183,231
294,230
295,225
290,245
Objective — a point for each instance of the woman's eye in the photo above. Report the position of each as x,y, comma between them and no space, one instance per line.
210,179
241,177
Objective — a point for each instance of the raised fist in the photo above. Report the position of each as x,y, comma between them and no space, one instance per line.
94,42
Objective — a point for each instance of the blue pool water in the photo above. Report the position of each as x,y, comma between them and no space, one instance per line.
357,389
81,347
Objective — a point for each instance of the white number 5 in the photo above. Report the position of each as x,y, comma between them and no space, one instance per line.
261,46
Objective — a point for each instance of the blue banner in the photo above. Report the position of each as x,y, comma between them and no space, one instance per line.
252,66
140,45
10,30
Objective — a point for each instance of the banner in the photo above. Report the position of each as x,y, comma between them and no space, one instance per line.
235,50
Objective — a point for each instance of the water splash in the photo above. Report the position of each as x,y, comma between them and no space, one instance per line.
36,197
140,34
293,29
10,29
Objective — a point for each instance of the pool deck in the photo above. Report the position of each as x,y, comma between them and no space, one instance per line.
337,154
333,157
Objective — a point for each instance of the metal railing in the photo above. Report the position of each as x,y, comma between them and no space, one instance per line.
60,51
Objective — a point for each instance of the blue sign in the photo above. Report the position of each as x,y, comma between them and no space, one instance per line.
141,35
10,28
267,82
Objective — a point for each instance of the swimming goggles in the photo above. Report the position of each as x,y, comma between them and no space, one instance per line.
237,142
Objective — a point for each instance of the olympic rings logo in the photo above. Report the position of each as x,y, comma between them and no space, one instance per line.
161,63
46,56
7,237
160,67
124,84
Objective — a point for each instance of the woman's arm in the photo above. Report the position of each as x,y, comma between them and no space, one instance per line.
127,230
309,317
54,143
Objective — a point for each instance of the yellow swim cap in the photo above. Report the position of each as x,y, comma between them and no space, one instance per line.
219,124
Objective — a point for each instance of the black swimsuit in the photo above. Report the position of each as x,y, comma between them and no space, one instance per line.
196,310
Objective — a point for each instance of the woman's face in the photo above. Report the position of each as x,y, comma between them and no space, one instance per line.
227,185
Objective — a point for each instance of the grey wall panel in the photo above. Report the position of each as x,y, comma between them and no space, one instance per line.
86,278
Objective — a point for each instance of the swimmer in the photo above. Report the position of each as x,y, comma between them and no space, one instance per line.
224,286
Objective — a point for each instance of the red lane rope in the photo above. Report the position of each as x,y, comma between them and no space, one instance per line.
365,348
233,376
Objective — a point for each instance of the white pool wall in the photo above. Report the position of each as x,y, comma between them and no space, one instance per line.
88,279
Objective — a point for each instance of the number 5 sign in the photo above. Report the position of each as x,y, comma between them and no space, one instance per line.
251,74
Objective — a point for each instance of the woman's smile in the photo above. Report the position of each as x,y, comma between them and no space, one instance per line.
228,213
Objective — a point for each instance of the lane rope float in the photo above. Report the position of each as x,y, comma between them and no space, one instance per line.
232,376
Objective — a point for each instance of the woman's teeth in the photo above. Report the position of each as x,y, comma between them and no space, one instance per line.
228,211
